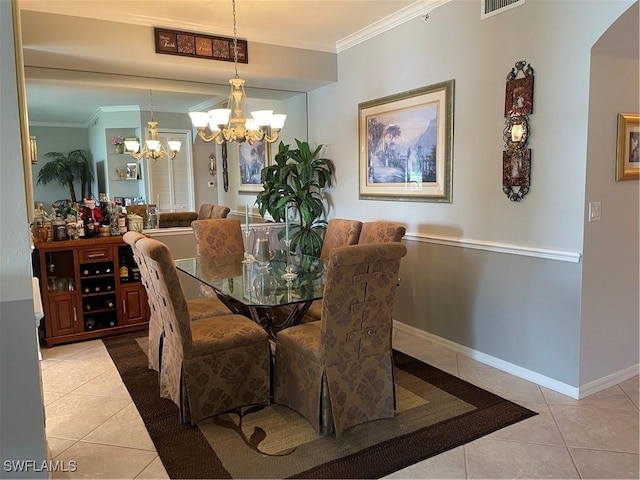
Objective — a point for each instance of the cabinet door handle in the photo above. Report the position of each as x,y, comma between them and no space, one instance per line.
124,306
95,255
75,315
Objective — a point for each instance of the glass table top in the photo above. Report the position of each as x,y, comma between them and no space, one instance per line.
257,286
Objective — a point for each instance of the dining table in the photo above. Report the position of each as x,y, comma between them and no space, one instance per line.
275,293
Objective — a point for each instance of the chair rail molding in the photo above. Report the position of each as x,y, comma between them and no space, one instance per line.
559,255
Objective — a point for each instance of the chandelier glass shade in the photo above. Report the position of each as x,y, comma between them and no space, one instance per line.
229,124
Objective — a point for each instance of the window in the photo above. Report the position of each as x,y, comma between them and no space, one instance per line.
171,181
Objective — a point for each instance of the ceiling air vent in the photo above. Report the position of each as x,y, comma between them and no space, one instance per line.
493,7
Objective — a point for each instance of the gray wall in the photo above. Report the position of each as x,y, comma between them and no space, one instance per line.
21,415
523,307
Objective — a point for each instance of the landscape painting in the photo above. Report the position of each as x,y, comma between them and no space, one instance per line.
406,145
252,159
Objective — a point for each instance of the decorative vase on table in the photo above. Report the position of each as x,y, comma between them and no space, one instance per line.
119,148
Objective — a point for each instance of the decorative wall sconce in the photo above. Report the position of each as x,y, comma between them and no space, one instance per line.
213,170
516,159
33,150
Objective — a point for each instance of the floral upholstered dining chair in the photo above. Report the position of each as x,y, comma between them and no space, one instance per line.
380,232
340,232
211,365
198,307
218,236
338,372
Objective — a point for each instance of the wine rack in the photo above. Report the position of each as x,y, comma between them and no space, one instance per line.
83,294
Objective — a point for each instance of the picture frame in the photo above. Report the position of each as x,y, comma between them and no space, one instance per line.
132,171
406,145
198,45
251,160
516,168
519,96
628,147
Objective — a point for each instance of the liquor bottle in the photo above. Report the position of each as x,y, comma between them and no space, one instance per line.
88,223
124,270
59,228
80,225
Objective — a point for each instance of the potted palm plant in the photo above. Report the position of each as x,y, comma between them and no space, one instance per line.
65,169
297,180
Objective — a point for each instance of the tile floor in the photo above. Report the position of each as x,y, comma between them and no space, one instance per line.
92,420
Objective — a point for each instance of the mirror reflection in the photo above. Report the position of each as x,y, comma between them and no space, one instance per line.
97,113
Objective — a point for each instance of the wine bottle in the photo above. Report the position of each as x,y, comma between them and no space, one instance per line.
109,303
85,271
87,307
86,290
89,323
109,288
97,289
112,323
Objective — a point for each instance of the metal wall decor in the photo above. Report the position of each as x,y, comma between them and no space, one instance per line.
516,158
225,171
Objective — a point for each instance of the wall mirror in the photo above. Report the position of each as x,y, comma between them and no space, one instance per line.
70,61
64,106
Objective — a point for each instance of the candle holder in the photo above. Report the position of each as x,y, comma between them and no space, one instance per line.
248,257
289,273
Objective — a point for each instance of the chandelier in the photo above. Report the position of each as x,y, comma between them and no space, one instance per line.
229,124
153,148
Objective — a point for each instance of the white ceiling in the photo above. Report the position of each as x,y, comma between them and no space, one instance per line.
323,25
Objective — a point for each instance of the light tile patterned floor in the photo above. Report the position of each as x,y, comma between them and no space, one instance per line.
92,420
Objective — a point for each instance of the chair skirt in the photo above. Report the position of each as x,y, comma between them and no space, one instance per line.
228,366
336,397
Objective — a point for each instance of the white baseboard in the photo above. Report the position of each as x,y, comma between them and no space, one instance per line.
608,381
542,380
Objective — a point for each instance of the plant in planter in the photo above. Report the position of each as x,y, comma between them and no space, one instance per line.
65,169
298,180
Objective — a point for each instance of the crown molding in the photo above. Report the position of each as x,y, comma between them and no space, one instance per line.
419,8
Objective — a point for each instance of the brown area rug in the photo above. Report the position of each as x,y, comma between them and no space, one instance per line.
435,413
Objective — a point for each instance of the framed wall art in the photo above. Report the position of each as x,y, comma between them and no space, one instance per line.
175,42
132,171
628,157
251,160
516,167
406,145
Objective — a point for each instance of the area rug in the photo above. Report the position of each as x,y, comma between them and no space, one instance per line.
435,413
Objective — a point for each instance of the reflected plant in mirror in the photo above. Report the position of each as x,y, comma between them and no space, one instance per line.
65,169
